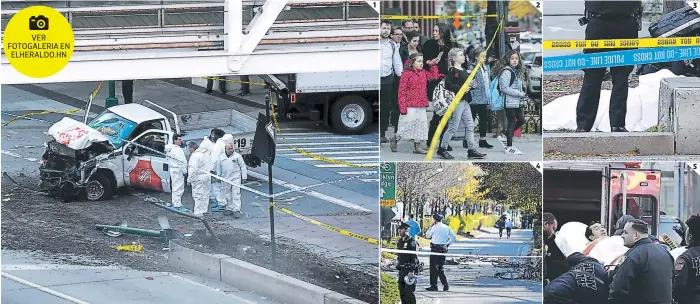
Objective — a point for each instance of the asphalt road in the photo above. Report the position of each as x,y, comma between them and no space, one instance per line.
489,244
349,204
31,278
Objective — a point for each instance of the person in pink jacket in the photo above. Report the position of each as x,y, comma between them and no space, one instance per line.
413,101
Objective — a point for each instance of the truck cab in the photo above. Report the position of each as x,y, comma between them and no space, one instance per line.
124,146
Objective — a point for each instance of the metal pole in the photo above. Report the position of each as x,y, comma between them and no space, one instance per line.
269,183
111,99
501,34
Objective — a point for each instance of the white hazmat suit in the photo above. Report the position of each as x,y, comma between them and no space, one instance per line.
231,168
178,170
206,142
199,166
218,152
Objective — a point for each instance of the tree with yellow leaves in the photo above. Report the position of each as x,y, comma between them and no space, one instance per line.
521,9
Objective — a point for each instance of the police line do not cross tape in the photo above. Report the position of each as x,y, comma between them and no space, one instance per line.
619,58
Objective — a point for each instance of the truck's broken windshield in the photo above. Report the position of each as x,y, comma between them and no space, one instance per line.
115,127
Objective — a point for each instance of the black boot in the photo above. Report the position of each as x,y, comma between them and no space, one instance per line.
475,154
443,153
482,144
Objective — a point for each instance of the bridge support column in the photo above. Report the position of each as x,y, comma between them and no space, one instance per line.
111,99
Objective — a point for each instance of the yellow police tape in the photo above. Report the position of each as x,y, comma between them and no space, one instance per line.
329,227
94,93
407,17
455,102
234,81
620,43
311,155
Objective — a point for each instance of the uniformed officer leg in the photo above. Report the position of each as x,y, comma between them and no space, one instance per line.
588,100
210,85
385,104
441,270
128,91
410,294
433,271
222,85
618,97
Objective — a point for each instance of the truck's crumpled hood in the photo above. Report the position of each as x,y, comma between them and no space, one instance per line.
76,135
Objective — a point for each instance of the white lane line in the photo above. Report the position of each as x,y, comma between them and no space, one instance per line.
27,267
316,137
344,166
335,148
315,194
338,158
336,153
370,180
329,143
42,288
13,154
207,287
356,172
306,133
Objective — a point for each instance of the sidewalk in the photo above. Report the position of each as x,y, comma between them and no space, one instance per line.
177,95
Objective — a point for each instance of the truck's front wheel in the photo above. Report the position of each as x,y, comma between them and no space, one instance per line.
98,187
351,114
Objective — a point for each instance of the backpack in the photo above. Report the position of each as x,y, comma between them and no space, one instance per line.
442,98
496,98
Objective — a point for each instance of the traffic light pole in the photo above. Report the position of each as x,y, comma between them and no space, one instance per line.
269,182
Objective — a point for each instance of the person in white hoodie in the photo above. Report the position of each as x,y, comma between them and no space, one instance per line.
198,177
209,142
217,185
232,168
178,169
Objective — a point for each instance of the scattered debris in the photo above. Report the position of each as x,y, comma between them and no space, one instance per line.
130,247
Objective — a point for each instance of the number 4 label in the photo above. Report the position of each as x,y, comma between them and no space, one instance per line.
695,5
537,5
374,5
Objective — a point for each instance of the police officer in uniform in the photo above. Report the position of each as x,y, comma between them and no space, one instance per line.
645,273
607,20
441,237
686,285
407,264
585,283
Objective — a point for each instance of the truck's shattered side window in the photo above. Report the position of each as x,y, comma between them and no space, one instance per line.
115,127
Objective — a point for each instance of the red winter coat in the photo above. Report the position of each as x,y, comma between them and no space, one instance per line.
413,88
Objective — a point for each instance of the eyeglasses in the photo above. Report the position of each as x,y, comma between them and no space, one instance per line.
397,34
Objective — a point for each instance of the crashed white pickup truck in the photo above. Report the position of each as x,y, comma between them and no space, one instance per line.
123,146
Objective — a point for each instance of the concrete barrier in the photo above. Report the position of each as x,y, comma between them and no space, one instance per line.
686,103
645,143
667,90
243,275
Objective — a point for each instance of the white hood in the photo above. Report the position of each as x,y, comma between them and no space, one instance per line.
75,134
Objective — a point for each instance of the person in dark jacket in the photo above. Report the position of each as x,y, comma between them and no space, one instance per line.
454,80
686,284
585,283
644,274
438,48
607,20
407,264
411,47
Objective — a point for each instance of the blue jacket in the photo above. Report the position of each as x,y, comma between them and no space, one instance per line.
415,228
512,92
480,95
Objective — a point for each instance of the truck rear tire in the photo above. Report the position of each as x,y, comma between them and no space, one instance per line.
351,115
99,188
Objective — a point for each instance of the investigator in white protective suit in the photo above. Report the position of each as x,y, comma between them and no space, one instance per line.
198,177
209,142
217,186
178,169
232,168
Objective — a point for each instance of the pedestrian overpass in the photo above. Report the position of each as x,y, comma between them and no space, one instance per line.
122,40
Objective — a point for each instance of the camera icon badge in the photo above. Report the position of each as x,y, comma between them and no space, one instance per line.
38,23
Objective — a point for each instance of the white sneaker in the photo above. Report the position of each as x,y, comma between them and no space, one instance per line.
513,151
502,138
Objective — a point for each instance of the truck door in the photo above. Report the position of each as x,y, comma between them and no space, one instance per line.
145,166
640,191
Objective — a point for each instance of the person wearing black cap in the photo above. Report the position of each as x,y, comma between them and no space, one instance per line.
441,237
406,264
686,285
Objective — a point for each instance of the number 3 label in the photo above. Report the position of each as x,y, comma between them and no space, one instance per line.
694,5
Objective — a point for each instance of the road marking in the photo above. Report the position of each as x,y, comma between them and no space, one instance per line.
335,148
329,143
370,180
312,193
42,288
13,154
315,137
207,287
343,166
336,153
339,158
356,172
32,267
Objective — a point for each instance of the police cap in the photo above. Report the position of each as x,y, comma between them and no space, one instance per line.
404,226
437,217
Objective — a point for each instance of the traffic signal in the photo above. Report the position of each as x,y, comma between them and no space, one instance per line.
457,23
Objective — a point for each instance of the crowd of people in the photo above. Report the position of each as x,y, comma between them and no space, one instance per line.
417,73
646,273
214,154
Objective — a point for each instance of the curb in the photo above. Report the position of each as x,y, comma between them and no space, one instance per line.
645,143
277,286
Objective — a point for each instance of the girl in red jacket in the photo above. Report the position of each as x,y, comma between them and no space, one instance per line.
413,101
